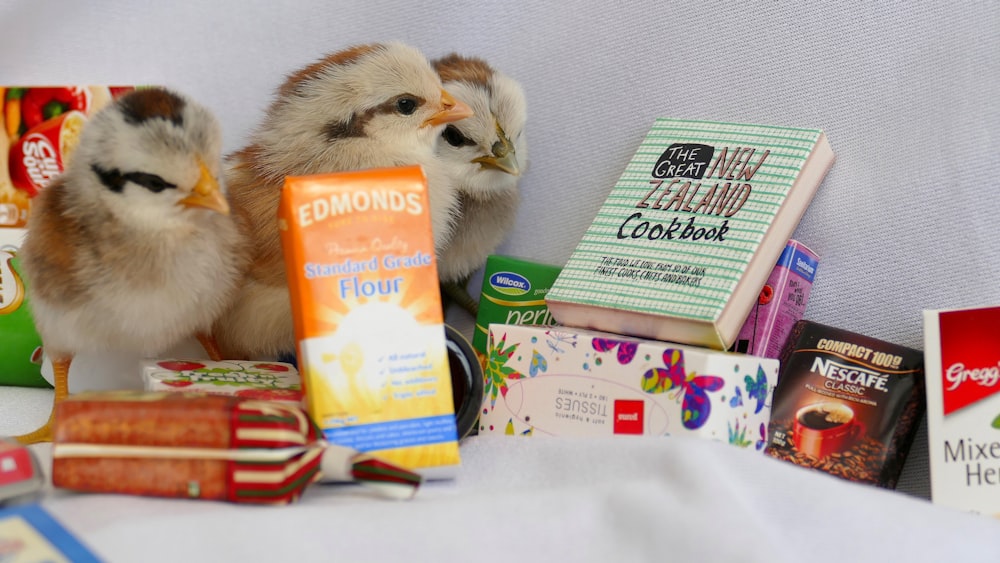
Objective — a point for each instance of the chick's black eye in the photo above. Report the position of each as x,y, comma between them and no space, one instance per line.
151,182
406,106
454,137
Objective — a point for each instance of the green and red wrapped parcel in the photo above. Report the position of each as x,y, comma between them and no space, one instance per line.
209,447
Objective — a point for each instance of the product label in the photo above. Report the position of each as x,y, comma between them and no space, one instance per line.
781,304
15,465
686,216
629,416
39,130
798,260
513,292
367,313
30,533
21,349
846,404
571,382
970,357
964,408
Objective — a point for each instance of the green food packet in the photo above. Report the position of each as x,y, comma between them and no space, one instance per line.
20,345
513,293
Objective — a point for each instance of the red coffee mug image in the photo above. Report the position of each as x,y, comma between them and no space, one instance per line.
824,428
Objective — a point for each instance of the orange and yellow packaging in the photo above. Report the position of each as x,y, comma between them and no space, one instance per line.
363,281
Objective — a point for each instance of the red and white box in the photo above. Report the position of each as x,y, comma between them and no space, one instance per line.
962,363
273,381
564,381
21,478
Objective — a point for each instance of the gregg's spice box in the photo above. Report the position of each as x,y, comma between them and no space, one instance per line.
572,382
962,352
846,404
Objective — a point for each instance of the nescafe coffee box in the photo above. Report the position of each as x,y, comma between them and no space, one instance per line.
846,404
561,381
962,353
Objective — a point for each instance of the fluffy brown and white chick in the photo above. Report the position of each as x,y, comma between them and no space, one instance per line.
132,248
484,157
368,106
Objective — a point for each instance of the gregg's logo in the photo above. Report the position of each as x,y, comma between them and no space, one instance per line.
684,160
970,356
509,283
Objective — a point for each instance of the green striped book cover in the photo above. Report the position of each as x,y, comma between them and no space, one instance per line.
688,235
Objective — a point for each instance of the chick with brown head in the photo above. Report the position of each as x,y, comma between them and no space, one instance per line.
484,157
369,106
132,248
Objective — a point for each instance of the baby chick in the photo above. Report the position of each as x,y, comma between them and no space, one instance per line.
484,156
132,248
368,106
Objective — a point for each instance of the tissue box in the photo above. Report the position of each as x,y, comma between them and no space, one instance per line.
571,382
273,381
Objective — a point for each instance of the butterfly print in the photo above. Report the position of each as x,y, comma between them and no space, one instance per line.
538,363
757,389
696,407
626,349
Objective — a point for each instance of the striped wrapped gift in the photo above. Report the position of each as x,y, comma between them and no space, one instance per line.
185,445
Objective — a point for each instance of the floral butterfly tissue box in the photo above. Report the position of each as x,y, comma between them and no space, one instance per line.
563,381
272,381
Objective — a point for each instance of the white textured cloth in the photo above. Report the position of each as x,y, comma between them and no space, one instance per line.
548,499
906,220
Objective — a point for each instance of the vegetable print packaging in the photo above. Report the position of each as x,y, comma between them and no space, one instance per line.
39,129
367,311
562,381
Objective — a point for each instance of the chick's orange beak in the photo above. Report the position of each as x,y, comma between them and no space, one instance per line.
451,110
206,193
502,156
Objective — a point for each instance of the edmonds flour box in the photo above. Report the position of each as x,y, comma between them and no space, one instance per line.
962,356
363,282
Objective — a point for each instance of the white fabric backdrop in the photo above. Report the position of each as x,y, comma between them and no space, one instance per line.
907,92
